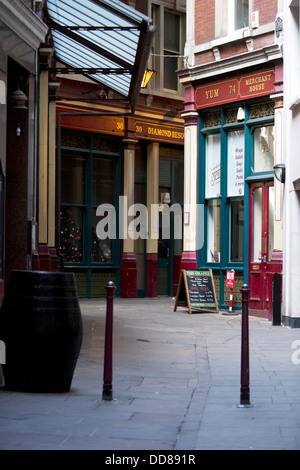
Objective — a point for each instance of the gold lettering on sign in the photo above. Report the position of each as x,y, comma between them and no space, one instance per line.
210,94
258,83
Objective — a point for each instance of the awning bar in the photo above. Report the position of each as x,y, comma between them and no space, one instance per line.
104,71
94,28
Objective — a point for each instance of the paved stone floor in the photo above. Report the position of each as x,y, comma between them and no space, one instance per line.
176,386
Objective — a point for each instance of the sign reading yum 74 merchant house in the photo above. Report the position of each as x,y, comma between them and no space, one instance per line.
235,89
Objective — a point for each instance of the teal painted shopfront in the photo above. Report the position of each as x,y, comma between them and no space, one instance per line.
236,158
90,177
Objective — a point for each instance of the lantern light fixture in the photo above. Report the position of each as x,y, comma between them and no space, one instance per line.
147,76
18,99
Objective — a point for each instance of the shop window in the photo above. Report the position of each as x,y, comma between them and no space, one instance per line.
263,157
73,174
87,182
102,193
213,230
73,177
213,165
235,163
237,230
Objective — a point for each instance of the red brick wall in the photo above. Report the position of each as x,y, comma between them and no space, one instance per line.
204,21
205,29
267,10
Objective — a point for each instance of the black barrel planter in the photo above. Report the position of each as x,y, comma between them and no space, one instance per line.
41,326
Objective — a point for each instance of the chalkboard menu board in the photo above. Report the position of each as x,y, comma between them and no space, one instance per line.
196,291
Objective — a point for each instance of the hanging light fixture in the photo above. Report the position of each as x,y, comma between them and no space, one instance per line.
240,114
147,75
18,99
101,94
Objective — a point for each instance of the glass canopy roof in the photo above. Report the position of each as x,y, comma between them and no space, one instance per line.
105,40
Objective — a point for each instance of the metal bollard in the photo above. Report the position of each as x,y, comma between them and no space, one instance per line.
108,352
245,388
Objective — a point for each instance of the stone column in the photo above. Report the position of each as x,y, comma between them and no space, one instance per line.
191,226
44,258
153,228
128,264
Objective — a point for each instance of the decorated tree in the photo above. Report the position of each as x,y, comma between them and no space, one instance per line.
70,238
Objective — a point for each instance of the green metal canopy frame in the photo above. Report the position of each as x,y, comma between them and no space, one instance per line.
105,40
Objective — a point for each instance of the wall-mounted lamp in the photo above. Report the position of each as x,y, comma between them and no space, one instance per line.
279,172
18,99
101,94
147,75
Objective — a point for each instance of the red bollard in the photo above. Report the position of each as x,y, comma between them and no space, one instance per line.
107,371
245,388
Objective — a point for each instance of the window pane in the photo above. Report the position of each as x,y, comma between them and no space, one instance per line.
241,13
73,179
71,234
213,231
103,193
257,227
102,184
171,48
235,165
101,247
213,165
170,76
178,182
263,149
271,232
171,34
237,229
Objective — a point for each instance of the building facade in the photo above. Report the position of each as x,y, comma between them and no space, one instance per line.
233,115
21,33
291,216
111,168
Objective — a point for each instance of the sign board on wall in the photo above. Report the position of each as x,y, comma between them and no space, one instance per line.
171,134
235,89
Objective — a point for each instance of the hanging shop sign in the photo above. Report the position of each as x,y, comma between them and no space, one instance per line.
94,123
149,131
235,89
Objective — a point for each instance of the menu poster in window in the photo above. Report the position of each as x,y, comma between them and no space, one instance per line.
235,180
213,166
196,291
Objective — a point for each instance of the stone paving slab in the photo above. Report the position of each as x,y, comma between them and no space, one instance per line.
176,386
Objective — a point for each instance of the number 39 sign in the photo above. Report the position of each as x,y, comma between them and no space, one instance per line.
230,277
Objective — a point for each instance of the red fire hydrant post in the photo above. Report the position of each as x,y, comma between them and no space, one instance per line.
245,387
107,393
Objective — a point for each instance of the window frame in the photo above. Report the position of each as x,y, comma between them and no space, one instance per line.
87,207
157,12
225,15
